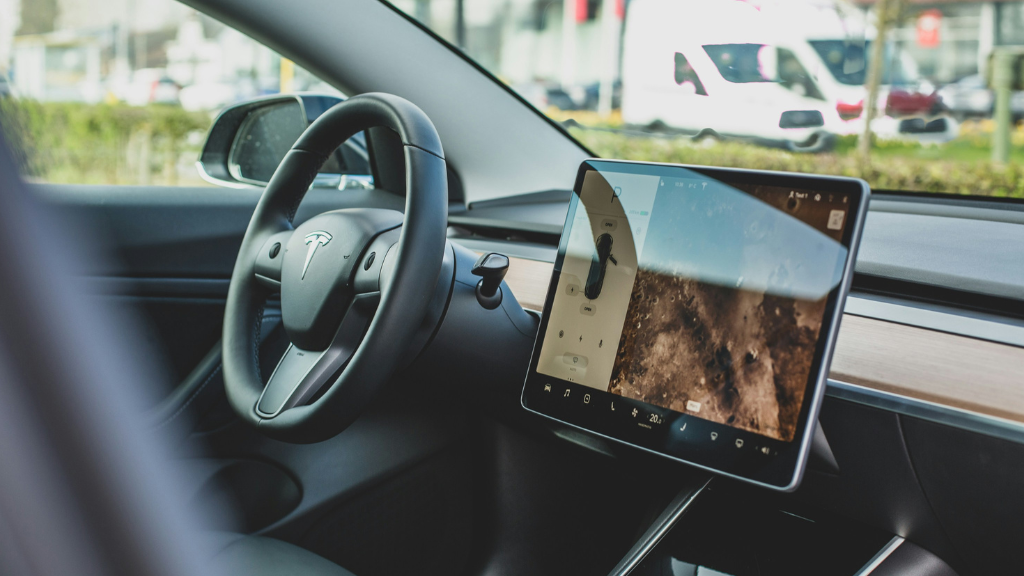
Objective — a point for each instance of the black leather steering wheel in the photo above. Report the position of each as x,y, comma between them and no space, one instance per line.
349,299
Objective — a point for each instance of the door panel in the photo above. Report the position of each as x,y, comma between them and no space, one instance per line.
178,232
174,251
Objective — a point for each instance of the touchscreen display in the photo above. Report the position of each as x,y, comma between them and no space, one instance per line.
705,297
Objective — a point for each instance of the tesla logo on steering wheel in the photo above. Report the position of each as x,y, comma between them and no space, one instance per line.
314,240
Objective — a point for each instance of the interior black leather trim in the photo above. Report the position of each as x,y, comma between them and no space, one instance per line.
912,560
193,391
257,556
158,287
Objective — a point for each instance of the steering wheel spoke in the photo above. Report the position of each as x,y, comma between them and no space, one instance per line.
267,268
301,374
377,265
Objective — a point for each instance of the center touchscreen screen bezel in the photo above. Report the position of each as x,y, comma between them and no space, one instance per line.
711,446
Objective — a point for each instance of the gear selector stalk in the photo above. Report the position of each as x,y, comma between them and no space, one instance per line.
491,267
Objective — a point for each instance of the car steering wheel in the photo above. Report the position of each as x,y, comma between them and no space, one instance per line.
349,305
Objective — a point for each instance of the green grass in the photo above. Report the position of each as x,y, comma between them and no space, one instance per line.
972,148
962,166
67,142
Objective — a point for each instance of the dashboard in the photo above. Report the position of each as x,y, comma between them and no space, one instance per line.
952,355
923,399
923,402
926,358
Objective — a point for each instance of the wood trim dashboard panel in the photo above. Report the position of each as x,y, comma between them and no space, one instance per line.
946,369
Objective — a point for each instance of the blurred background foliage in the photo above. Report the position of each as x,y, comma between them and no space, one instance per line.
66,142
73,142
962,166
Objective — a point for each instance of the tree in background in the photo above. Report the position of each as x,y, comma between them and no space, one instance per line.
887,15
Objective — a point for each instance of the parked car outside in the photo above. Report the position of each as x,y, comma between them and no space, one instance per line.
970,97
151,86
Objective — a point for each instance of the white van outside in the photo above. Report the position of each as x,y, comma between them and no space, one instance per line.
710,67
832,40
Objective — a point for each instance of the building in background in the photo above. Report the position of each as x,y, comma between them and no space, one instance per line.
559,52
10,21
953,40
556,53
553,52
59,66
139,52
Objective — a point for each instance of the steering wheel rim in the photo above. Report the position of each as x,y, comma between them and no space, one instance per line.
404,294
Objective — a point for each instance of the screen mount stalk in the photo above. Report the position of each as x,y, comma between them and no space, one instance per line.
661,526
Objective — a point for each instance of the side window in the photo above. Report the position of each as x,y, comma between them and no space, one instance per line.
687,76
743,63
794,76
91,95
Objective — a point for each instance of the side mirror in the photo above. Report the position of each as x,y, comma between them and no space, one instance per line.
248,141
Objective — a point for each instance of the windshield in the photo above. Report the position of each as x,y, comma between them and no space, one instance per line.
94,94
763,84
741,63
847,62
